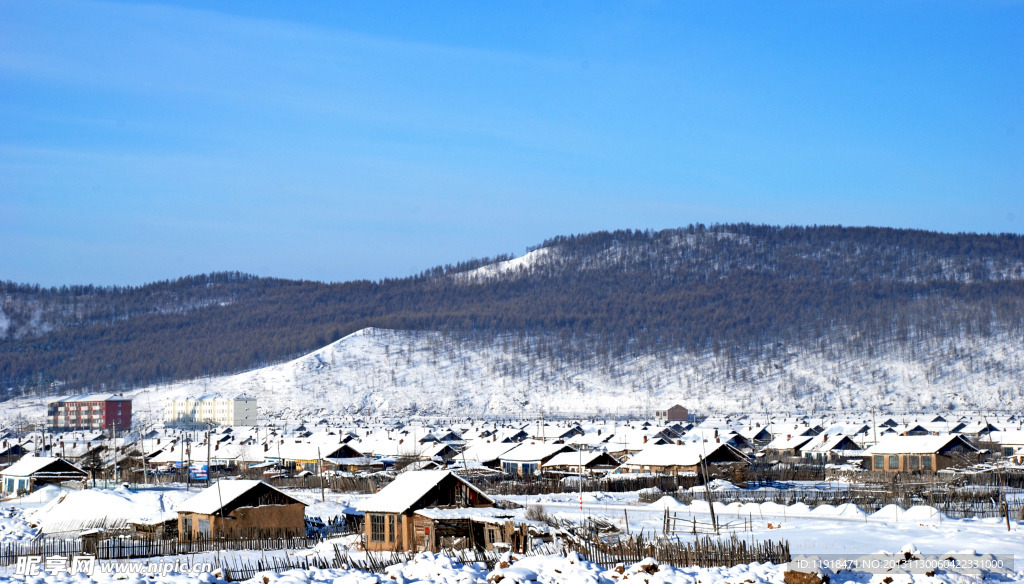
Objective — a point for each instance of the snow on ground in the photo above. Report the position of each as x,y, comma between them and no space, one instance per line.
506,268
823,530
545,569
74,511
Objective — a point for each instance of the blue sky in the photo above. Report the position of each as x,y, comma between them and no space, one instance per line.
334,141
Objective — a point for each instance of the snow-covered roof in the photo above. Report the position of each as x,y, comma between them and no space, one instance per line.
788,442
31,464
487,451
93,397
914,444
572,459
481,514
826,443
408,488
221,494
1008,437
689,454
531,452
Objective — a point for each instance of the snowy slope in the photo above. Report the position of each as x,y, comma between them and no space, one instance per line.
376,371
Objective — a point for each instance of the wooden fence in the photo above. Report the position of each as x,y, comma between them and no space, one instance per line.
238,570
612,483
130,548
704,551
959,503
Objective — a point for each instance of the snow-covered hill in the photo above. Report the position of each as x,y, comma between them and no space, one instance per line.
385,372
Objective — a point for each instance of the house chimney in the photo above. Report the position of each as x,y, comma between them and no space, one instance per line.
789,436
645,439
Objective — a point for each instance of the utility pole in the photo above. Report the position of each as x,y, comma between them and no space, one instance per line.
874,425
320,458
188,469
209,466
116,476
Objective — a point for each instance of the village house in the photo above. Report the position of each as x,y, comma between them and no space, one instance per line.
924,454
241,509
830,448
787,445
299,456
682,458
487,454
676,413
391,521
32,472
581,463
526,459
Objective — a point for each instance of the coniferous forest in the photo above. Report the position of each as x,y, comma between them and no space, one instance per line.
740,289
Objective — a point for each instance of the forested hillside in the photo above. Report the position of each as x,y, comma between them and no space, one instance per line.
743,293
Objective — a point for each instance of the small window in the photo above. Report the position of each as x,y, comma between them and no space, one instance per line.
376,527
490,535
926,462
894,462
879,462
391,528
915,462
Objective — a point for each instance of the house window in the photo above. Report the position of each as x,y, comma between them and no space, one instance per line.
490,535
1007,450
926,462
188,527
915,462
391,528
376,527
879,462
204,528
894,462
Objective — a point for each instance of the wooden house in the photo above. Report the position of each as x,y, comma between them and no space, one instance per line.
676,413
830,448
924,454
526,459
241,509
679,458
581,463
31,472
391,522
787,445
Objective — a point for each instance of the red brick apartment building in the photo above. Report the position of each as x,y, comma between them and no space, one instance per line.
90,412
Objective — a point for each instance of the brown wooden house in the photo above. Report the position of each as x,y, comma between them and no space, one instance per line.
919,454
391,520
241,509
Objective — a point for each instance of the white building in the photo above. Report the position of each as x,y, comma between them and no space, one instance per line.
239,410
